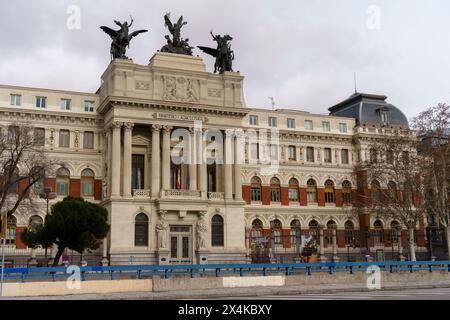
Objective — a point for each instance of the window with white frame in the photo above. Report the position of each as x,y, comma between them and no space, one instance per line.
89,106
344,156
64,138
254,154
327,155
309,125
41,102
253,120
326,126
88,140
342,127
272,122
291,123
310,154
66,104
273,152
16,100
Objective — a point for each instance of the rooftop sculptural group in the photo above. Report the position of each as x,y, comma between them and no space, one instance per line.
176,44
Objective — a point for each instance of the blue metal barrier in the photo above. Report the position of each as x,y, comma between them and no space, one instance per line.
140,272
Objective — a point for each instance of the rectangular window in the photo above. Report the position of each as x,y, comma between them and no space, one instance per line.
275,195
273,152
253,120
309,125
88,140
66,104
62,187
256,194
344,156
64,138
291,123
310,154
343,127
254,151
326,126
87,189
137,172
89,106
293,194
39,136
292,153
41,102
16,100
327,155
272,122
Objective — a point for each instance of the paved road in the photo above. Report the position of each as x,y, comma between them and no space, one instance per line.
410,294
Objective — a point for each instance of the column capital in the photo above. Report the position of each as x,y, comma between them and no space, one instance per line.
156,127
116,125
167,129
129,125
162,213
229,133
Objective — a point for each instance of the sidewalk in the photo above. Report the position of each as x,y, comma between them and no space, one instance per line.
236,292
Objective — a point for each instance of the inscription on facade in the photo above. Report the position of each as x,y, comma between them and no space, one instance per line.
184,117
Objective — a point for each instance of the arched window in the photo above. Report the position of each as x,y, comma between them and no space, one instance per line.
10,230
395,227
378,232
375,192
293,189
329,192
37,176
141,230
311,191
349,232
257,228
314,228
275,190
295,232
35,222
256,189
331,225
217,234
346,192
87,183
392,188
62,182
276,229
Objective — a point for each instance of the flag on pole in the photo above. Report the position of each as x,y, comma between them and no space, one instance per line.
4,223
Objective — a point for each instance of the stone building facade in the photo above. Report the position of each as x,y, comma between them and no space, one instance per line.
189,174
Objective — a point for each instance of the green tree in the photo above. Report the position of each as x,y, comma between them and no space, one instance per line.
72,224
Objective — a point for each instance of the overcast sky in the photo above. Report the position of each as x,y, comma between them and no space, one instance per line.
303,53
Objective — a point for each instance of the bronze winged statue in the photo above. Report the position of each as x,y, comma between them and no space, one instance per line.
176,44
121,38
223,54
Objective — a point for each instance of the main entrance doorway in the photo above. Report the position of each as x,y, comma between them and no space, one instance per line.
180,244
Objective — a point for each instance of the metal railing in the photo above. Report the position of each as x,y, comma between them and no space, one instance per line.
140,272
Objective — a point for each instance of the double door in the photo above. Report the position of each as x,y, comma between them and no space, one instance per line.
181,245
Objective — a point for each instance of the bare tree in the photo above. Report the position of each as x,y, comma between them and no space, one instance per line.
433,128
395,164
24,164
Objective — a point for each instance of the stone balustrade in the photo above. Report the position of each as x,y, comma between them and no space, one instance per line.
138,193
216,196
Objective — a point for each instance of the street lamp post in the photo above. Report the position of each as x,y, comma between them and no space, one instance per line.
47,195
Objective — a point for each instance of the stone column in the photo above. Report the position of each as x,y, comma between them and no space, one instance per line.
193,160
156,161
108,163
105,261
166,161
322,257
238,161
203,175
127,150
335,246
115,160
228,179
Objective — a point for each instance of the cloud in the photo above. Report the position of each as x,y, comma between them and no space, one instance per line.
303,53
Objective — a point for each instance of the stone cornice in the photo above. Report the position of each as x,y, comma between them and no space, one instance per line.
158,105
13,114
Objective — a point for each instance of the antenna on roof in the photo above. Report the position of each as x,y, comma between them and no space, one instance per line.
273,102
354,76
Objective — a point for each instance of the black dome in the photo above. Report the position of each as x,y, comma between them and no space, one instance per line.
370,109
